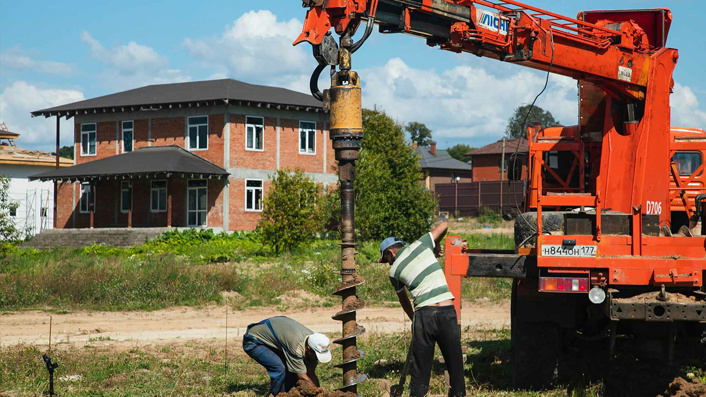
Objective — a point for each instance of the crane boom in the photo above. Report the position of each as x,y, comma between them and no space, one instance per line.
613,54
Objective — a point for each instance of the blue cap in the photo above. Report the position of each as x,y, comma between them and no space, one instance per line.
387,243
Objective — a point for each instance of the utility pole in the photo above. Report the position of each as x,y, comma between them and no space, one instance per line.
502,177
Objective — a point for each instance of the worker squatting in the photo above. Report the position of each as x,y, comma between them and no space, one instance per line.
290,352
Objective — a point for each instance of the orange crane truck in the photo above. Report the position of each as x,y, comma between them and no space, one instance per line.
611,241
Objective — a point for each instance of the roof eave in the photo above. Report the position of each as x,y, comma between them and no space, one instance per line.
68,113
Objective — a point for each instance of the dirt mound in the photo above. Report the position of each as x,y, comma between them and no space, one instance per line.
299,296
681,387
306,389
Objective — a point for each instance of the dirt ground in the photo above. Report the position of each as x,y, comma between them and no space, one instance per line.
184,324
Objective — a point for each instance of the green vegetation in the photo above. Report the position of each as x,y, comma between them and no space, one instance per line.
419,133
291,216
9,234
200,369
515,127
197,267
390,201
488,216
459,151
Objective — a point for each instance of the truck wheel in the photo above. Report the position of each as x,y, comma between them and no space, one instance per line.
535,350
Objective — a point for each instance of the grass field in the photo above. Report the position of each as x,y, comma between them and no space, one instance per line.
101,369
195,270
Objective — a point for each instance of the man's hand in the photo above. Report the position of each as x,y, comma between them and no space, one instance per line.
438,250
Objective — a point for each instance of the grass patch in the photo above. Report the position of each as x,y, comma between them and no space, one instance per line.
200,369
193,268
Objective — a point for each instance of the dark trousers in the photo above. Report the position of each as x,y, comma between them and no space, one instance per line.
273,361
436,324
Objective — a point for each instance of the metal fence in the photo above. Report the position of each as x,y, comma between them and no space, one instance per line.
465,199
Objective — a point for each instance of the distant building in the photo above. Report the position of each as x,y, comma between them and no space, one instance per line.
439,167
197,154
34,199
487,161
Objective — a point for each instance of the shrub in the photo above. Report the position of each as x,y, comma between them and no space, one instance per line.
487,215
9,234
291,215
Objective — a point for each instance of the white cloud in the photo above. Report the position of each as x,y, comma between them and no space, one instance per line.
466,102
256,48
21,98
132,65
685,108
15,58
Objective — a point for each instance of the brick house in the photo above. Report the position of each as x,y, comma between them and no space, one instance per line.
197,154
487,161
439,167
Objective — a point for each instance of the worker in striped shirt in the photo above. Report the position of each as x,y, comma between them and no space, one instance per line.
414,267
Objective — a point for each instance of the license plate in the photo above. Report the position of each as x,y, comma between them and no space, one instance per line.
579,251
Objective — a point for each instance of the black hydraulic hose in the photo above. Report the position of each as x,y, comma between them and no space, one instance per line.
314,82
368,31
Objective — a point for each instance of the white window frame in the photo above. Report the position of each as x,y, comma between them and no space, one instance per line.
123,189
187,141
166,196
252,189
122,135
306,151
86,153
247,124
197,210
80,198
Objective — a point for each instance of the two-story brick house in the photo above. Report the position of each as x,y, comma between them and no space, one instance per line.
187,154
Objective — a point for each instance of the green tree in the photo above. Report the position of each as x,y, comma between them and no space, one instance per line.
390,200
9,233
419,133
459,151
515,127
66,152
290,215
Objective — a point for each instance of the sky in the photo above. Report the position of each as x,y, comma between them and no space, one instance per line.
58,52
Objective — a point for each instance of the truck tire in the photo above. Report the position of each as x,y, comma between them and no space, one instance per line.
535,350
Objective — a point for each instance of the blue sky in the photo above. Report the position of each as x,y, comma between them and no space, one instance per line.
53,53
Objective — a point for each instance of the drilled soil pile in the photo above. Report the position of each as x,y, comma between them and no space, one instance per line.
681,387
306,389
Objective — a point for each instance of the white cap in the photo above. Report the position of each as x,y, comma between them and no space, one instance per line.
319,343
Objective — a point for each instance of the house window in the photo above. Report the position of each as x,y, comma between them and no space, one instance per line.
158,196
88,139
687,162
197,133
196,206
125,196
254,133
253,195
13,211
500,165
307,137
83,205
128,136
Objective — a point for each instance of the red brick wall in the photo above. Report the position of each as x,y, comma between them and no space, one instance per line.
141,133
168,131
291,158
239,218
242,158
65,206
487,168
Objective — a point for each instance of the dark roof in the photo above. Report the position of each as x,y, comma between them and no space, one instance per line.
441,160
8,134
196,93
148,160
497,147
